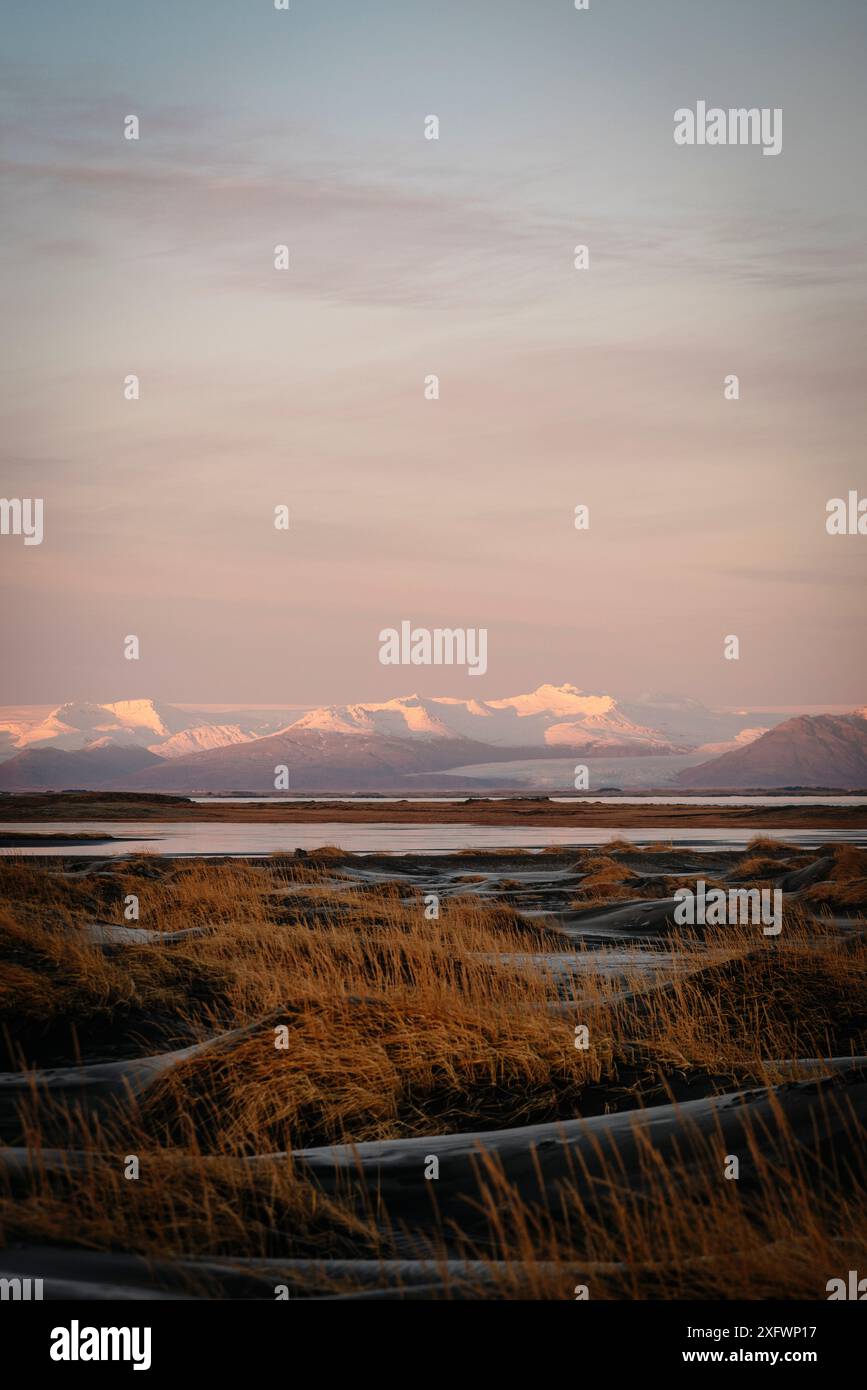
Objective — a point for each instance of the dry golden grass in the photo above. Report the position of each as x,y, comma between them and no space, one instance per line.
845,896
686,1233
397,1025
758,866
766,999
850,862
401,1026
768,845
677,1232
845,889
390,1065
606,881
602,869
183,1203
58,976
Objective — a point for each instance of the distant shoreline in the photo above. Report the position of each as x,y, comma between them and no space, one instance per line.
514,811
11,839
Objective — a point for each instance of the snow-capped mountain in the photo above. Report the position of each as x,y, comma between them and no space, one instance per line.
545,722
78,724
407,717
550,716
200,737
166,730
689,721
150,746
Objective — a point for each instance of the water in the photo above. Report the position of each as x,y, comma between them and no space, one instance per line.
203,837
770,800
347,800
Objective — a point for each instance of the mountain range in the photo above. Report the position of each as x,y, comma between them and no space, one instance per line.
821,750
413,741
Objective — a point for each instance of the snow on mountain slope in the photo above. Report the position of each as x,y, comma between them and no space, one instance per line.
146,714
74,725
203,736
580,717
603,731
688,721
716,750
69,726
552,716
557,700
165,729
407,717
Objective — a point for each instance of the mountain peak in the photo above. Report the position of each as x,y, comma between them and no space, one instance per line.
808,750
556,700
551,718
139,714
565,689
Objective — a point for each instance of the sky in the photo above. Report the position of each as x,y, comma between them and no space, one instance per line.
410,257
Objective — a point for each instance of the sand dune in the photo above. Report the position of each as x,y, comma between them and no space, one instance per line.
572,925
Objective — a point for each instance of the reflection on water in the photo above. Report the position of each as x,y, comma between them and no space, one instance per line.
202,837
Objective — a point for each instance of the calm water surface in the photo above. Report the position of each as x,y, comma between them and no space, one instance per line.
198,837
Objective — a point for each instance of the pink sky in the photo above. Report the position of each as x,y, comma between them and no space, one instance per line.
408,258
